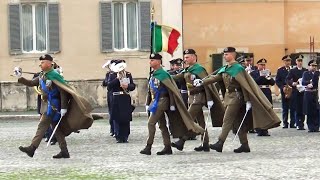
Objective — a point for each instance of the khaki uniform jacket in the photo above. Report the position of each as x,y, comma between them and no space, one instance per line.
78,108
263,115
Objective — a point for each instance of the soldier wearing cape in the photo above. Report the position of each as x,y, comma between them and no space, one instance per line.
242,94
164,97
198,97
59,102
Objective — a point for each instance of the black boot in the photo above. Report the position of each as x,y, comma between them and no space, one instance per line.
166,150
243,148
29,150
217,146
204,147
62,154
146,150
179,144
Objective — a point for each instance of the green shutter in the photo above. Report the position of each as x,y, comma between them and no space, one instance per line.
14,29
145,30
53,28
106,30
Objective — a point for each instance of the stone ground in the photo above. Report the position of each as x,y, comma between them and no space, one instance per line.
286,154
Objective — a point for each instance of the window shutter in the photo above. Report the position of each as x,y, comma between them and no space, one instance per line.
53,28
145,28
106,41
14,29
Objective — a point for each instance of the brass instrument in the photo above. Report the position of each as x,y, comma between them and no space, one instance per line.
119,68
287,91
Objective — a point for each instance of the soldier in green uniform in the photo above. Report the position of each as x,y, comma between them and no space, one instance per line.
198,98
164,97
59,102
242,94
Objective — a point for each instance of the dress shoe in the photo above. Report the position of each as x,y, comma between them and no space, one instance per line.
292,126
243,148
111,134
29,150
285,126
62,154
179,144
252,131
300,128
204,147
166,151
218,146
53,141
146,150
46,139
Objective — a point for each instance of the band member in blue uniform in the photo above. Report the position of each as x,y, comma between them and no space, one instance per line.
262,77
248,63
120,83
294,79
310,100
107,65
282,74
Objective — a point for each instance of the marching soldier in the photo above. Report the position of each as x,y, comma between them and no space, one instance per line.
198,97
241,93
120,83
60,103
294,79
310,97
281,76
164,97
262,77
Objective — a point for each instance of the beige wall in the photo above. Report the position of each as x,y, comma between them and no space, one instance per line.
265,28
80,54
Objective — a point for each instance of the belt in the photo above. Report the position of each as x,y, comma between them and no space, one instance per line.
198,91
233,90
263,86
183,91
311,90
118,93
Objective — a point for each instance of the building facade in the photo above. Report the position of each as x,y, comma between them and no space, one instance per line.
269,29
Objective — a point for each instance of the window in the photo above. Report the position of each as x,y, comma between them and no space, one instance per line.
34,28
125,26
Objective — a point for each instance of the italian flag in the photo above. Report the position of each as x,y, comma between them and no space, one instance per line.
164,38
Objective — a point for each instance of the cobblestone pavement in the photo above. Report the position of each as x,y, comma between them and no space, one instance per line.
286,154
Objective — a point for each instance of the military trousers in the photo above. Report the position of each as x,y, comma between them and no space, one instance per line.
196,112
158,117
43,125
231,118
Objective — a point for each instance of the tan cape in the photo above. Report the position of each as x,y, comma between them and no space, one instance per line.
218,110
180,121
78,113
263,114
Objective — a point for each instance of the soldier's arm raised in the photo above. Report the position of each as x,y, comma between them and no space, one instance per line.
30,83
212,79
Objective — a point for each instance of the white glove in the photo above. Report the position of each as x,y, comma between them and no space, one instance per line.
210,104
147,108
17,72
197,82
248,105
310,86
63,112
172,108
